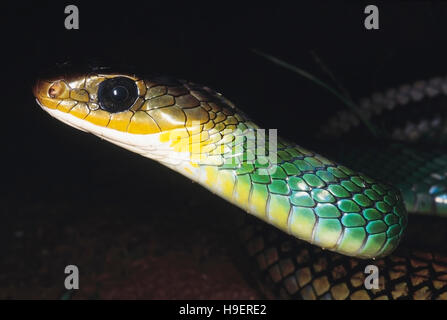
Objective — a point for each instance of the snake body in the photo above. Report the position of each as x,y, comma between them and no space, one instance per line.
417,269
289,268
199,133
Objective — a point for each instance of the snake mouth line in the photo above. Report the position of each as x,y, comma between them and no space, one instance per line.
146,145
64,117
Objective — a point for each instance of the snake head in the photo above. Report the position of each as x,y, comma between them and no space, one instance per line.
95,102
157,117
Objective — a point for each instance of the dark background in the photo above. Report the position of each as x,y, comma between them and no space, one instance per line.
69,198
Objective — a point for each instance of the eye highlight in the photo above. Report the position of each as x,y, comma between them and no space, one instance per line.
117,94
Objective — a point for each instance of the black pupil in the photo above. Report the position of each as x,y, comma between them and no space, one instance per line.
117,94
120,93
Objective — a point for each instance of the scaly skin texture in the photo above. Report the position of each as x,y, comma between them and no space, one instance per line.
418,173
292,269
199,133
411,113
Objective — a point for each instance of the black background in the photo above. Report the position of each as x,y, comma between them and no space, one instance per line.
45,162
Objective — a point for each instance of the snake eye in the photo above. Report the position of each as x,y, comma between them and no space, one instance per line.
117,94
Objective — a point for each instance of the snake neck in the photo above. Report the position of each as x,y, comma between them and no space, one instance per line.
296,190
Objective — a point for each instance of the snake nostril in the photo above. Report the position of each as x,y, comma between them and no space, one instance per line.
52,93
55,90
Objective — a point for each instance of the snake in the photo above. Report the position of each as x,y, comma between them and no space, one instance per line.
313,222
